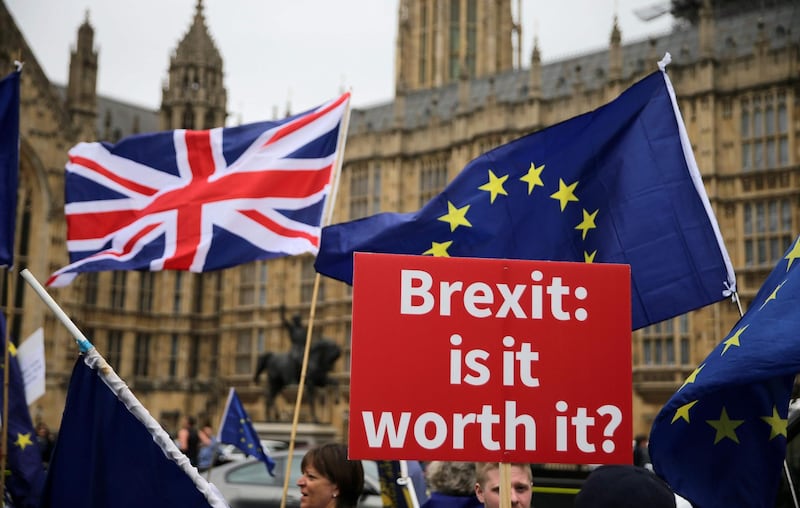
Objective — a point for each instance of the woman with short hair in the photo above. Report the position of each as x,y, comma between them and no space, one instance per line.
329,479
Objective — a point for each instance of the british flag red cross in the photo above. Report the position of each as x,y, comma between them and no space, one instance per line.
201,200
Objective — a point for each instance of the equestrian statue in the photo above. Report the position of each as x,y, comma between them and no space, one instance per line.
283,369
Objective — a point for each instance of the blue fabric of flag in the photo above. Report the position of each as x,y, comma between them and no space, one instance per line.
616,185
9,164
24,461
720,440
107,456
237,429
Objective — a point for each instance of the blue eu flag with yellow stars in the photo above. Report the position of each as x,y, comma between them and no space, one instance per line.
26,475
616,185
237,429
721,439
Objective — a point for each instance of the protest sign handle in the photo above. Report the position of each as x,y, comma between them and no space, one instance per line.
505,484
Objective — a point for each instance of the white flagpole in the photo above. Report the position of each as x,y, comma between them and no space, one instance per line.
408,483
83,343
121,390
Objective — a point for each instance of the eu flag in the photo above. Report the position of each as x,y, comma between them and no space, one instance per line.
616,185
26,473
721,439
9,164
237,429
112,452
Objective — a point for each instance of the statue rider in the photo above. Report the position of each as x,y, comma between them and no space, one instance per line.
297,335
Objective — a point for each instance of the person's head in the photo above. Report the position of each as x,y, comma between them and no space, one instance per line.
641,440
329,479
42,429
451,478
189,421
487,486
626,486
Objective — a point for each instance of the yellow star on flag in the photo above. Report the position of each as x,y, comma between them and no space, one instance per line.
456,216
793,254
23,440
725,427
587,223
692,377
533,177
777,423
439,250
565,193
494,186
683,412
589,257
773,295
733,340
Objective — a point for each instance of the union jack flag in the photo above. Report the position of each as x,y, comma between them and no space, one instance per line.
200,200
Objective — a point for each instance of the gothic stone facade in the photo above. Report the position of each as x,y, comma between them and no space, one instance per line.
180,339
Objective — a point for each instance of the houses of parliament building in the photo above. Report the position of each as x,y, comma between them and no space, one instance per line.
462,87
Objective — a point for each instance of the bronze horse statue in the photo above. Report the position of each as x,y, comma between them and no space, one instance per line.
283,369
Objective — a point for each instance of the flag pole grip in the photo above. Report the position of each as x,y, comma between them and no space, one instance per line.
80,338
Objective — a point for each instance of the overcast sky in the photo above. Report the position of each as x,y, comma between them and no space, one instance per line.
274,51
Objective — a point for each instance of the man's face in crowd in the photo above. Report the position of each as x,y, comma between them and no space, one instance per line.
489,494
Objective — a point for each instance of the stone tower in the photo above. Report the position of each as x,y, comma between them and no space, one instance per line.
82,87
438,39
194,96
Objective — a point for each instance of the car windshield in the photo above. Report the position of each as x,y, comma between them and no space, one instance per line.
370,469
255,473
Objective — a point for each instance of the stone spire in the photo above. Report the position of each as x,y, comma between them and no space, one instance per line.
197,46
194,96
615,52
535,72
82,85
706,30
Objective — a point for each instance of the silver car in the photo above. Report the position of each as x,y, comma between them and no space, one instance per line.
246,483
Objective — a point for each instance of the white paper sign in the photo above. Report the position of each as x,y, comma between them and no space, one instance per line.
30,356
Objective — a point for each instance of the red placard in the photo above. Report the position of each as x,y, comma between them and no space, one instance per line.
490,360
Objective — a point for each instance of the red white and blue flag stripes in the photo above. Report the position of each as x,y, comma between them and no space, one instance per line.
201,200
